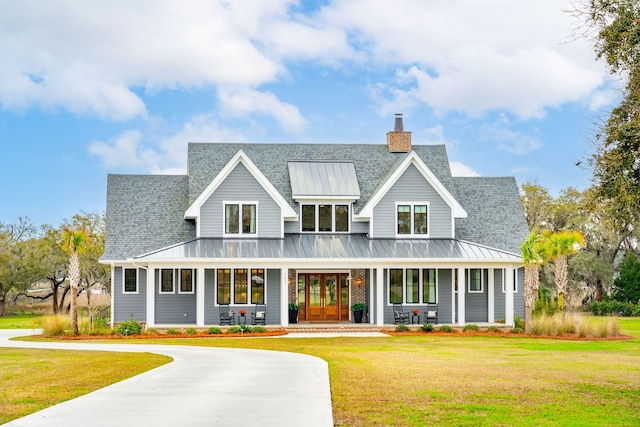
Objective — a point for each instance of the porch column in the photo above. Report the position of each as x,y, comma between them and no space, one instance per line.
491,296
200,297
508,296
379,296
151,297
372,298
113,292
284,297
462,289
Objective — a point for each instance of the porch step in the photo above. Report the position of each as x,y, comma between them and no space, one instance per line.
335,328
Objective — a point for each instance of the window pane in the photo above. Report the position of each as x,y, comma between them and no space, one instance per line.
344,290
413,286
186,284
342,218
475,283
324,215
420,219
404,219
308,218
429,285
166,281
395,285
231,219
240,286
249,219
224,286
130,284
301,290
257,286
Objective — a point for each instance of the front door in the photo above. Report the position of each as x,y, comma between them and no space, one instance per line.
327,296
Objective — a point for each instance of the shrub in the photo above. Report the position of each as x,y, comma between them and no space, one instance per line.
445,328
609,307
581,326
517,330
402,328
471,327
493,328
246,329
152,331
257,329
128,327
518,322
172,331
214,330
234,330
191,331
55,326
426,327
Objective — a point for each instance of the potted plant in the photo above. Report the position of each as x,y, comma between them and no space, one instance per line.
242,312
358,311
293,312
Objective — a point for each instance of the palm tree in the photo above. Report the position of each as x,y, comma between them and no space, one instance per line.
560,245
533,254
73,243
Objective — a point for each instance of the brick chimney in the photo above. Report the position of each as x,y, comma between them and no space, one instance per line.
398,140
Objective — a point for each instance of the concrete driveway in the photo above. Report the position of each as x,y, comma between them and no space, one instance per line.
203,386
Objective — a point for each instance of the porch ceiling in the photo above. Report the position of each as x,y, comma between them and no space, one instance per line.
352,246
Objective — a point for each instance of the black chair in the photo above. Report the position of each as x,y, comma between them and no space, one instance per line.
431,313
226,315
259,316
399,316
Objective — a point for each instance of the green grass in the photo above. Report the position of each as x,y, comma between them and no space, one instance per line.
460,380
19,321
32,379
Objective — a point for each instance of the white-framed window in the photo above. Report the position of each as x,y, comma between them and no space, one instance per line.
515,281
413,285
187,280
412,219
240,218
475,280
130,281
324,218
240,286
166,281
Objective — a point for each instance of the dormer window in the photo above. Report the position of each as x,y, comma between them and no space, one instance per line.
325,218
240,218
412,219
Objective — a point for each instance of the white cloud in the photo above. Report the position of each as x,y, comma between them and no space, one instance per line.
506,139
460,169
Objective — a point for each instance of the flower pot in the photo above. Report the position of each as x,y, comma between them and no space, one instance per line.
357,316
293,316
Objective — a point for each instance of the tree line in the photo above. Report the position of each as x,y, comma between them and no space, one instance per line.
63,259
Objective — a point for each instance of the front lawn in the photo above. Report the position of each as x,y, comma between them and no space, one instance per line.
19,321
470,380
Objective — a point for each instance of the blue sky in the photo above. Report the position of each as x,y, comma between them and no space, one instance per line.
92,88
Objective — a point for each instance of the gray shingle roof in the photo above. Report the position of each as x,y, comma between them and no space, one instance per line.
146,212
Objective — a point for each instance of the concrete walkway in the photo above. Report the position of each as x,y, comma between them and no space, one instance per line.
203,386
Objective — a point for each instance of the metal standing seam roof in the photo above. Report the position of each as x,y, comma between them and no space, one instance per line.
323,179
327,247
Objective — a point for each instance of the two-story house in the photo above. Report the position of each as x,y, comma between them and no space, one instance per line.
322,225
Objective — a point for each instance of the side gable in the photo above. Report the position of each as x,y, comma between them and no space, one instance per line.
194,211
413,159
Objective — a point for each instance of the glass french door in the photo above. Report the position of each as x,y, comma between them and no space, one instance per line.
323,296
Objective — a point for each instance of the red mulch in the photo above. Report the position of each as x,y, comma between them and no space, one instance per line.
272,333
507,334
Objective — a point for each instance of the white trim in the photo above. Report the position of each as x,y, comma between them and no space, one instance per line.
515,281
240,204
200,296
508,299
287,212
413,159
124,276
151,296
412,206
491,296
468,280
232,272
333,217
284,296
461,297
193,284
380,296
113,295
421,270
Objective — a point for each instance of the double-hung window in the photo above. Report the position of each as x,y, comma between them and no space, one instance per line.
130,284
515,281
412,219
412,285
166,281
186,281
240,218
475,280
325,218
240,286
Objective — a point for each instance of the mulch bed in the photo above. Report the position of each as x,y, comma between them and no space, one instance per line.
268,333
506,334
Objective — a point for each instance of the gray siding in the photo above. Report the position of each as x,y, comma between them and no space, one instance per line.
127,305
211,312
445,284
175,308
518,298
410,187
476,303
499,296
240,185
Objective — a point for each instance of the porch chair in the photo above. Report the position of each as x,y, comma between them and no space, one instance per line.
226,315
431,313
259,316
399,316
